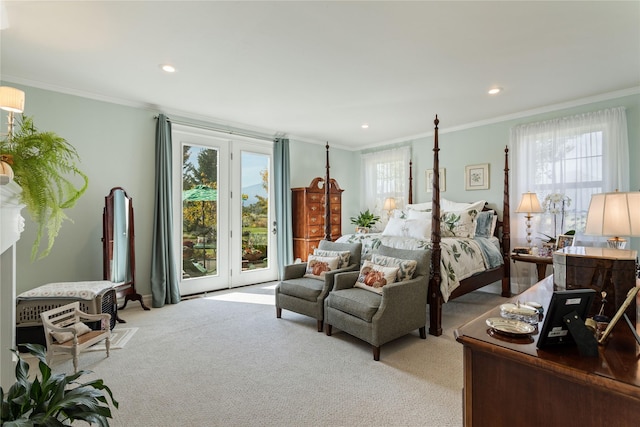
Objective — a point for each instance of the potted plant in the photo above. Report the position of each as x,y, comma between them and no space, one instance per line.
364,221
44,165
53,399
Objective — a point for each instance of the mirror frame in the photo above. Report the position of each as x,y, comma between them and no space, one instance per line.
126,289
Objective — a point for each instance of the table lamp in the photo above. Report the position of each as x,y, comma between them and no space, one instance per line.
11,100
529,204
614,214
389,205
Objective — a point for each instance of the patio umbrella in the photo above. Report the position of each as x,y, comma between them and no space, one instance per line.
200,193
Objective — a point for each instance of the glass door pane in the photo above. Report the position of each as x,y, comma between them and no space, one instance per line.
199,211
255,211
254,249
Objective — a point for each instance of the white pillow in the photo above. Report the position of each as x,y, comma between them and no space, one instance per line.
374,277
317,265
415,228
61,337
449,206
426,206
399,213
421,215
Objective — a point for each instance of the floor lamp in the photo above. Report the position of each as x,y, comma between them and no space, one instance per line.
529,204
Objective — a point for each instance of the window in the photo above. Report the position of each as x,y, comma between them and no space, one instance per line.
385,174
564,161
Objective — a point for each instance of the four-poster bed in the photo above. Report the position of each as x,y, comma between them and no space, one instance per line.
468,263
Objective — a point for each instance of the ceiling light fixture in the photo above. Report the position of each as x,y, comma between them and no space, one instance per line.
365,126
168,68
495,91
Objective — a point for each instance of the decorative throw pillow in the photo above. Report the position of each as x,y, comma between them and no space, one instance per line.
317,266
459,224
343,255
374,277
417,229
61,337
406,267
484,224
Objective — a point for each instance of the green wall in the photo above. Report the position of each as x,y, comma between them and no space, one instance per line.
485,144
116,148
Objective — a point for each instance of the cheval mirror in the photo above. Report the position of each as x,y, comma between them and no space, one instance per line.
118,245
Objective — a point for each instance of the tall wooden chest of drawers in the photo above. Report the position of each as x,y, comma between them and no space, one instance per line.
308,216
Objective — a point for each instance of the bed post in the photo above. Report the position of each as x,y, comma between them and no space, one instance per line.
435,297
410,182
327,199
506,227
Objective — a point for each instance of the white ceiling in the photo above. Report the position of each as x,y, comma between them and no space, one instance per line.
317,71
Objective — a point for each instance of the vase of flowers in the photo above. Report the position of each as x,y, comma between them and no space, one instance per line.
556,204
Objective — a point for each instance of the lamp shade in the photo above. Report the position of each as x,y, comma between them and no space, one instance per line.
11,99
614,214
529,204
389,204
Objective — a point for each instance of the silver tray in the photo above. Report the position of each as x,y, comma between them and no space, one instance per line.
510,327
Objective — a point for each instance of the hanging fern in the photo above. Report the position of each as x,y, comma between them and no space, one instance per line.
44,164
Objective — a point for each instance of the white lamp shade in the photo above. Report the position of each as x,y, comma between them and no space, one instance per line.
11,99
529,204
389,204
614,214
6,173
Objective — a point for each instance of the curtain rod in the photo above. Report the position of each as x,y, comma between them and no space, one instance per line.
215,129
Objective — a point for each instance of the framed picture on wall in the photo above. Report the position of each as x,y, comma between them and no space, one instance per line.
476,177
429,180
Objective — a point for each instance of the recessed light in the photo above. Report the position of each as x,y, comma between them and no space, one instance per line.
495,91
365,126
168,68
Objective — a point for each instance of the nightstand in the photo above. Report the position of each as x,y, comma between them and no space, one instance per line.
541,262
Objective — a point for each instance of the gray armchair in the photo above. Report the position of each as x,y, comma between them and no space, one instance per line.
380,318
305,295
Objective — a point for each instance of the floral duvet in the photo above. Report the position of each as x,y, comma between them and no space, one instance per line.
460,257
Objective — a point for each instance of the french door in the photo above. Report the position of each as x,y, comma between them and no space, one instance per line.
223,216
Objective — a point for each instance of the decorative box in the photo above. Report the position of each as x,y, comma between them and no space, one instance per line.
602,269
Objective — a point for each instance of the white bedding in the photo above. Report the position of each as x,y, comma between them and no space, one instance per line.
460,257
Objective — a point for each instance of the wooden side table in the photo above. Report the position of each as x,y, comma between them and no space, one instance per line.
541,262
509,382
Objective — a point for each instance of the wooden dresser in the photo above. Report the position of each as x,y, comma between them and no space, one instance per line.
510,382
307,205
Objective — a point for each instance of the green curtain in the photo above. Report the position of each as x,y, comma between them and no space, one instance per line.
164,275
282,182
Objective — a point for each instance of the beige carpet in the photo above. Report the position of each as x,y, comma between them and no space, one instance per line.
225,360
